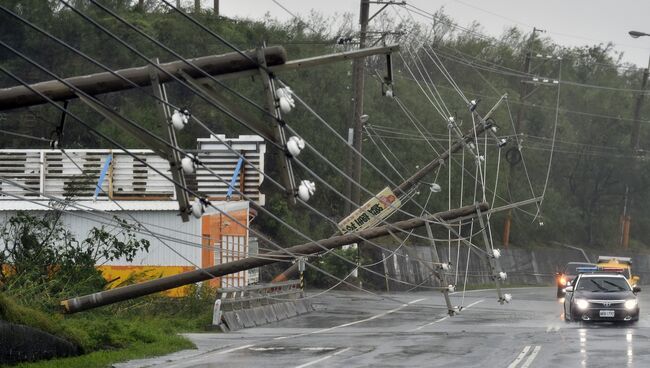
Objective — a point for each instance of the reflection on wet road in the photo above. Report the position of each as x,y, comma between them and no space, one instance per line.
352,329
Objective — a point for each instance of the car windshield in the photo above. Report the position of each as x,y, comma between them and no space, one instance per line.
603,284
572,268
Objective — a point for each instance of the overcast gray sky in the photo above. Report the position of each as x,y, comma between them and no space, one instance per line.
568,22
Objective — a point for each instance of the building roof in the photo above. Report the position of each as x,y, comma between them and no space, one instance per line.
34,177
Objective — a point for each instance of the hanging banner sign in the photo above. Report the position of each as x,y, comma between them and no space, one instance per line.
371,212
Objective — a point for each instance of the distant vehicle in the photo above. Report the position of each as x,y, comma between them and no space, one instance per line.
569,272
601,297
622,265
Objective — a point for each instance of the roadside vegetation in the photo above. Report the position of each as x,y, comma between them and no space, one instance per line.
43,264
144,328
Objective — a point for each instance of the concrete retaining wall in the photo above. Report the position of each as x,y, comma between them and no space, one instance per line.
20,343
523,266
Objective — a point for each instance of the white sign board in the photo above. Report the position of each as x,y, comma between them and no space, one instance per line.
371,212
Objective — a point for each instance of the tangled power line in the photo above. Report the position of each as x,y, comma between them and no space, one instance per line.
478,151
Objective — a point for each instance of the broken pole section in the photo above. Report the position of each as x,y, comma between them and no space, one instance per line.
165,283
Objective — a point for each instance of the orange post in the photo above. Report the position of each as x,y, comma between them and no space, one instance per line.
506,230
626,231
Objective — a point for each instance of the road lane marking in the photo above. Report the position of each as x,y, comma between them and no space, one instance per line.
520,357
531,357
266,349
473,304
187,363
429,324
323,358
233,349
351,323
443,318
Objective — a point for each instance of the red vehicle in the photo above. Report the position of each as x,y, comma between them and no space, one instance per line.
570,271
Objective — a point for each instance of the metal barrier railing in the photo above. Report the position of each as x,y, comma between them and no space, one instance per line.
260,304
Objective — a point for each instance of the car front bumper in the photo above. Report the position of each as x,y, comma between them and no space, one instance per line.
593,314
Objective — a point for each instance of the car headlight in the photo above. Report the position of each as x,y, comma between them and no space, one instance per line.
630,304
582,303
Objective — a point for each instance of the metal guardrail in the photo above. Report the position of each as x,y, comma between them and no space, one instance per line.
262,294
257,305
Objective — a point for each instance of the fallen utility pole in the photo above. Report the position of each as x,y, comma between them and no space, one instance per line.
165,283
99,83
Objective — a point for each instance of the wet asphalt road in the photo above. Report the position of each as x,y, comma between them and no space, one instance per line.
352,329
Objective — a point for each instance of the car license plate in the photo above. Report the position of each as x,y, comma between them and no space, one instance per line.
607,313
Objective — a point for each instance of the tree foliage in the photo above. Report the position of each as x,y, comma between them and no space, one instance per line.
43,261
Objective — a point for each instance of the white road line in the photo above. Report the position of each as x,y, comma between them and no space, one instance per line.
266,349
323,358
429,324
548,329
443,318
233,349
531,357
187,363
520,357
351,323
473,304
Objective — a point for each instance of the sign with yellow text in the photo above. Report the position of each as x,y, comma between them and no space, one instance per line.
371,212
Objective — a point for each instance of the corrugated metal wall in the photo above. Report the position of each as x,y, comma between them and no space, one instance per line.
182,237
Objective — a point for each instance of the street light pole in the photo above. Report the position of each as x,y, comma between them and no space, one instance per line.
626,219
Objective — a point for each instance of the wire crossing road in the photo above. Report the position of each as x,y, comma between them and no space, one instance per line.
351,329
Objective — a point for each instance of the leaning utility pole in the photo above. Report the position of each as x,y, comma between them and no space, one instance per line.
519,123
356,125
355,128
106,82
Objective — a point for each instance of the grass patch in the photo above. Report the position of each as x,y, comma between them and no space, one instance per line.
165,341
141,328
13,312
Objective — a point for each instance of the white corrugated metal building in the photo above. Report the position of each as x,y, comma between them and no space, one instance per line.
33,178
